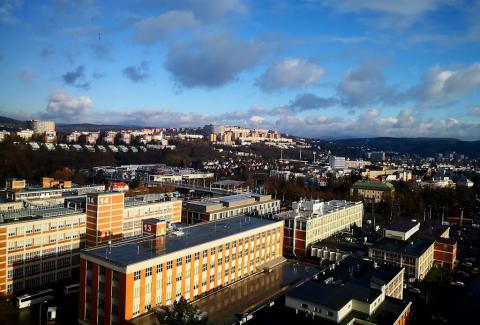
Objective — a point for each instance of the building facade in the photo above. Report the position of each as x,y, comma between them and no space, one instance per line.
39,246
416,255
373,191
112,217
123,281
311,221
229,206
41,126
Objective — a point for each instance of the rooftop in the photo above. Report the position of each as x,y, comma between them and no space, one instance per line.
314,208
412,247
402,225
370,185
28,214
134,251
333,296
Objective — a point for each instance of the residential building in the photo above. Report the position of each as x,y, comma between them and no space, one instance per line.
229,206
310,221
111,216
353,292
377,155
3,134
125,280
25,134
373,191
41,126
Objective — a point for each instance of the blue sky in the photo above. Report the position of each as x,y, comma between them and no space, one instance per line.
327,68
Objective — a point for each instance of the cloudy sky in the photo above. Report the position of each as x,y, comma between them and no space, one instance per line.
321,68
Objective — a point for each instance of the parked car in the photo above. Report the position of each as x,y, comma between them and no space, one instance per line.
459,284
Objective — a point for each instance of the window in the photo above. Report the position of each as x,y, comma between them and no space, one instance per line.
227,246
136,275
212,251
179,261
148,271
197,256
169,265
205,252
188,259
159,268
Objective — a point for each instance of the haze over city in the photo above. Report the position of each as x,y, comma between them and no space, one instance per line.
310,68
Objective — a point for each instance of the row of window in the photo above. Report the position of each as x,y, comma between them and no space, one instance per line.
35,228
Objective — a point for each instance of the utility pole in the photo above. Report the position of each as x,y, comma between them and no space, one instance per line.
461,218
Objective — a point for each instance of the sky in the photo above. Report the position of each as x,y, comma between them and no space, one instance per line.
314,68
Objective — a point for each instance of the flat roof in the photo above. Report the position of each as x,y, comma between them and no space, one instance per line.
137,250
371,185
28,214
333,296
402,225
413,247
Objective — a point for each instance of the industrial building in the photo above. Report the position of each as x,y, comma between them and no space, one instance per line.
39,246
310,221
111,216
17,190
127,279
229,206
417,250
353,291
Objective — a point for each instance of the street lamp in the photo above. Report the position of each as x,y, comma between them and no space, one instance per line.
40,312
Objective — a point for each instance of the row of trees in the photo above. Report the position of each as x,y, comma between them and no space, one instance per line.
18,160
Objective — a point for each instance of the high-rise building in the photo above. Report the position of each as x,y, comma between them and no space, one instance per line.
125,280
41,126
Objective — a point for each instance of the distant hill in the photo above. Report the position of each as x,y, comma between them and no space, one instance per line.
424,146
10,123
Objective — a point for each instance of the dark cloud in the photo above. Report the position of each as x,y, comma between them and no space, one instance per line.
137,73
213,61
101,50
152,29
303,102
47,52
27,75
366,85
76,78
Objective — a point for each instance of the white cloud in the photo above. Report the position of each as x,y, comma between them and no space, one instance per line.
65,108
440,84
475,110
290,73
398,7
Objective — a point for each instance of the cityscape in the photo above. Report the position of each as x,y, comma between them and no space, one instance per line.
239,162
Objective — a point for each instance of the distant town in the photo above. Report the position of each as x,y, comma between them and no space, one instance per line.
233,225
